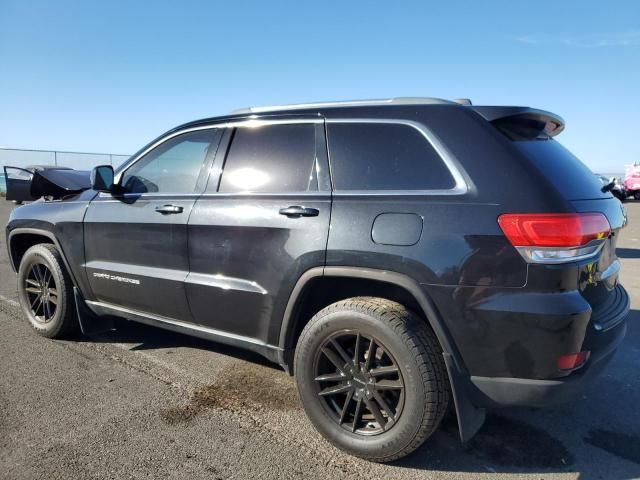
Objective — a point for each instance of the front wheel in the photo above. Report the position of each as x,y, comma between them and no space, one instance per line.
371,377
45,292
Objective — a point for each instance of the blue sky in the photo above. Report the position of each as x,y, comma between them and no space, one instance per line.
109,76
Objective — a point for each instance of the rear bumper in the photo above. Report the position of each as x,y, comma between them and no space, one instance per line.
492,392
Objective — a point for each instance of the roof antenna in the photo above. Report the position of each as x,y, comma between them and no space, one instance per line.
463,101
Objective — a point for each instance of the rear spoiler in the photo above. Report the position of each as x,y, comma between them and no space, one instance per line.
25,185
522,123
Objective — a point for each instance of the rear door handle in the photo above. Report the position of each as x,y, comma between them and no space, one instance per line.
169,209
296,211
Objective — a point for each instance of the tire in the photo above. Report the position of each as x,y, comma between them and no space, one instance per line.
403,342
54,316
636,195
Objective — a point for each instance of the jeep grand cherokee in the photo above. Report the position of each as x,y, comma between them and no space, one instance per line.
395,255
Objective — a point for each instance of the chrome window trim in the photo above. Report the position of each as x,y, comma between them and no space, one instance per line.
246,123
142,196
196,196
460,187
319,194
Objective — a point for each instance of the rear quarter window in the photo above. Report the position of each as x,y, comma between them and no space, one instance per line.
563,169
384,156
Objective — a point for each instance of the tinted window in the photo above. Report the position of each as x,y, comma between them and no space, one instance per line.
172,167
381,156
565,172
271,158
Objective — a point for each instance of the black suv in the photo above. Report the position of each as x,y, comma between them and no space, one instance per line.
399,256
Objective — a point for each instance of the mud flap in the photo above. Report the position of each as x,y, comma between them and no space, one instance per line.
470,418
90,323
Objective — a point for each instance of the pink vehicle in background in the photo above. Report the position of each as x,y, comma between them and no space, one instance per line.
632,180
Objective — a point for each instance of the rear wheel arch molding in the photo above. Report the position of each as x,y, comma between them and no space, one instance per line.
289,323
42,233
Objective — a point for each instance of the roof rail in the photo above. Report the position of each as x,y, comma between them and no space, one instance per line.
347,103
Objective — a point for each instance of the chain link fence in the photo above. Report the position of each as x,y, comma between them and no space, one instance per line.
18,157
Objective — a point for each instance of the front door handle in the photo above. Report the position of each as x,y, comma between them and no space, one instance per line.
169,209
296,211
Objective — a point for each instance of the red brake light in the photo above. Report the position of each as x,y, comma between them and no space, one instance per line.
553,229
573,361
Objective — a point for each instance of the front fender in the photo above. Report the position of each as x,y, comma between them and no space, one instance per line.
61,223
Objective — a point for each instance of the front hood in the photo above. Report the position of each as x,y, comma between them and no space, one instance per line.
59,183
29,185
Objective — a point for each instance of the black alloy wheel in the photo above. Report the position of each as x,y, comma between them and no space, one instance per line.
371,377
42,292
45,291
359,382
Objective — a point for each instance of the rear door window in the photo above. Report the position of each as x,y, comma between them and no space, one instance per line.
278,158
384,156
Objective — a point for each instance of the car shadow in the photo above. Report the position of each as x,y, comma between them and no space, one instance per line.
507,444
596,436
592,437
628,252
145,337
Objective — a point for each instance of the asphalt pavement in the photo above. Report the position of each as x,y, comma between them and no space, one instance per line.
140,402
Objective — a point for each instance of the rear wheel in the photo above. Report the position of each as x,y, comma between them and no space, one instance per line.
371,377
636,195
45,292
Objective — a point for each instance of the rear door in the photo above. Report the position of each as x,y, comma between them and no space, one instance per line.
136,243
259,226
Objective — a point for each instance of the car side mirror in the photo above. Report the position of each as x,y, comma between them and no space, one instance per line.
102,178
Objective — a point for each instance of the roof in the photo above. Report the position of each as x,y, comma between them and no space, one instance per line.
490,113
346,103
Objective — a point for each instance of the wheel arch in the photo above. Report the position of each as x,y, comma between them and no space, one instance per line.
396,285
20,240
470,418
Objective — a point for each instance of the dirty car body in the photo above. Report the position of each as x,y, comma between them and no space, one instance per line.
273,214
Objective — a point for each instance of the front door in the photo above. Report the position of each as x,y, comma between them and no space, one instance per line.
136,242
259,225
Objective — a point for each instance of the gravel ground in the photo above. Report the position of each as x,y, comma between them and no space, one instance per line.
144,403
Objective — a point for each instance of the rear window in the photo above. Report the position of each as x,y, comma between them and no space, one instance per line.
563,169
384,156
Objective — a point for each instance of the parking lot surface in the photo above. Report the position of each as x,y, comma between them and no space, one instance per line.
144,403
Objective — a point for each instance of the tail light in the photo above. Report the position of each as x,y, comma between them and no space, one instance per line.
573,361
555,237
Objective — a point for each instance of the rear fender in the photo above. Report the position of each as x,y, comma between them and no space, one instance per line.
470,418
